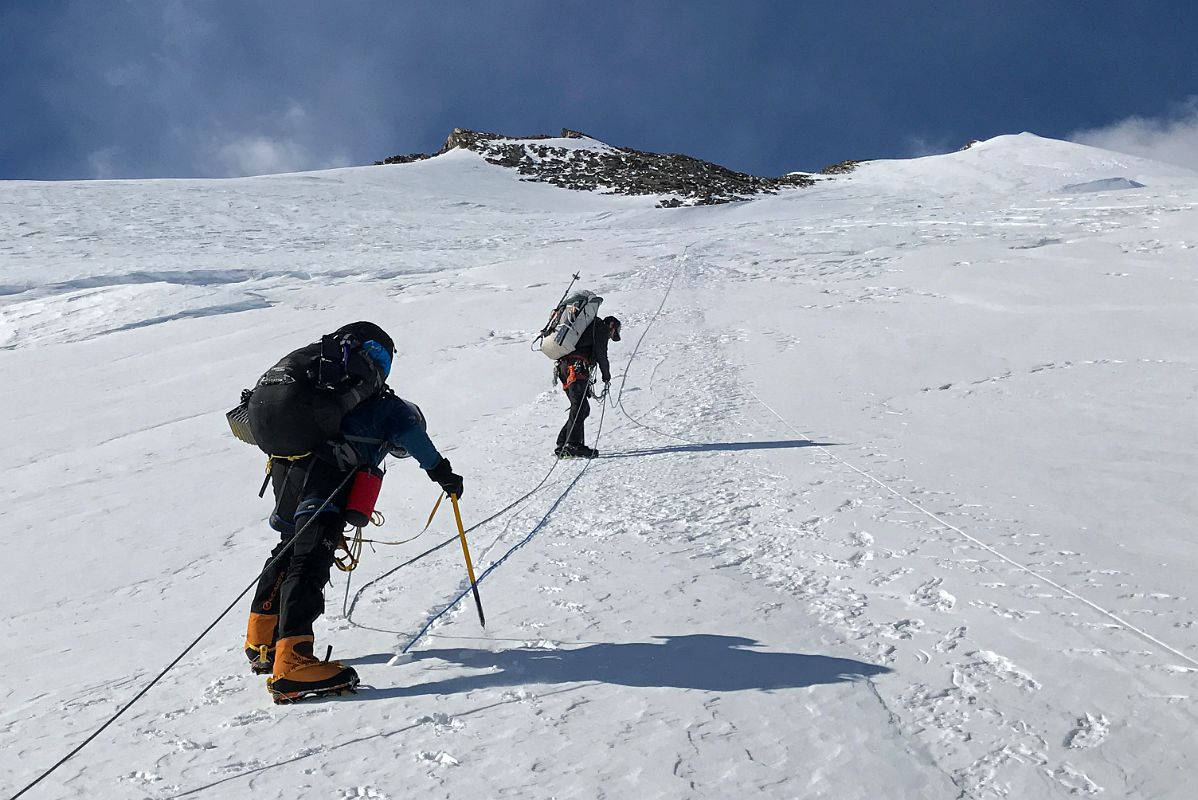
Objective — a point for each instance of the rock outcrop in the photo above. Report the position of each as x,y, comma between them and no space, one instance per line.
839,168
574,160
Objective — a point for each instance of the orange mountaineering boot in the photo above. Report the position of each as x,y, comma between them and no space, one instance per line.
260,642
299,674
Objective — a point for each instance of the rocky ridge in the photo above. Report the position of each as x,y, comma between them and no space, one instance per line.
577,161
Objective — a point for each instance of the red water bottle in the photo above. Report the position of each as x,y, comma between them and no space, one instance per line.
363,494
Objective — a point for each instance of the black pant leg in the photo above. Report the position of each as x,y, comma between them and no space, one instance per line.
580,408
287,482
301,591
301,594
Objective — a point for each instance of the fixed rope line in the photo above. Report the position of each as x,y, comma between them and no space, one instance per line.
347,608
186,650
1125,624
1021,567
527,538
557,502
619,399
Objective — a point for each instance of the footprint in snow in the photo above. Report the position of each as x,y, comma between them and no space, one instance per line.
987,666
440,722
950,642
1075,781
1089,731
442,758
930,594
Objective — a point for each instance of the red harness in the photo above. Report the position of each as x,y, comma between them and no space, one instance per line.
575,368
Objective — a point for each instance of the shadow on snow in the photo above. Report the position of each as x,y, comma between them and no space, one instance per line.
700,661
716,447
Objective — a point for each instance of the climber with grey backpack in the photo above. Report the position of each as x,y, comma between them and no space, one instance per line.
576,339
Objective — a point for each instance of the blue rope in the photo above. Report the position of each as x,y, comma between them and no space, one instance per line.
528,538
577,478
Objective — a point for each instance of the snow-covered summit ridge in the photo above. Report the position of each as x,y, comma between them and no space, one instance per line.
1010,162
1022,163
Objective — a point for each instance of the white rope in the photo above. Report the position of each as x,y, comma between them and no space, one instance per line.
1023,568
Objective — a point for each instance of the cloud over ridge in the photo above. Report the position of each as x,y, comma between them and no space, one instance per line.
1171,137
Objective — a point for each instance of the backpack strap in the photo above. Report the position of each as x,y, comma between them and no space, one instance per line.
363,439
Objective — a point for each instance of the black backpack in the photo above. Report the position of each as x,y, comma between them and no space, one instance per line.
297,406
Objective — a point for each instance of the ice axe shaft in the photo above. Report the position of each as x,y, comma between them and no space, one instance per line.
457,515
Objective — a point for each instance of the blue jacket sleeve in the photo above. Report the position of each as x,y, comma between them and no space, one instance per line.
388,420
401,428
419,446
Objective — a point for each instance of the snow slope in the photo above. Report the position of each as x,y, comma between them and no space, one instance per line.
897,499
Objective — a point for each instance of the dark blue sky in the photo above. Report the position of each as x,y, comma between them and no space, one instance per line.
147,88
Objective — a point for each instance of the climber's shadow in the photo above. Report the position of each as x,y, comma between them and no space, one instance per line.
697,661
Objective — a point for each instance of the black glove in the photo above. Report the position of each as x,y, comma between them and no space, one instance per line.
443,474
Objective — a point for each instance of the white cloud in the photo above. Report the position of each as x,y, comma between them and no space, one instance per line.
260,155
1172,137
102,163
263,155
281,141
920,146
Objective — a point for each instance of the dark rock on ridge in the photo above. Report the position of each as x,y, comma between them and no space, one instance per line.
594,166
840,168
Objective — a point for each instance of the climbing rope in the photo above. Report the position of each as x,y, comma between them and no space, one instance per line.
527,538
186,650
354,552
560,498
348,606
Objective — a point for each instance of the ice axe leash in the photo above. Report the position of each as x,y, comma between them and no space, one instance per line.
478,603
358,541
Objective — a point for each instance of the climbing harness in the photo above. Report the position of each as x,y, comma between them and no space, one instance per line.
572,369
270,464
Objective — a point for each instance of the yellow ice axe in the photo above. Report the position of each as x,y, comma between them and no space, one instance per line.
457,515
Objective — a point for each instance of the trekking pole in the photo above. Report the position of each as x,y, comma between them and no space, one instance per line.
457,515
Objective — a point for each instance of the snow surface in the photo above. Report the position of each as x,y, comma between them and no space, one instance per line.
1103,185
898,500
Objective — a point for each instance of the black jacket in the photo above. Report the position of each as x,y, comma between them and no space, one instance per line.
592,346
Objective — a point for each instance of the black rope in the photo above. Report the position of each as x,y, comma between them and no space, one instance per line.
428,623
347,611
598,432
291,542
186,650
